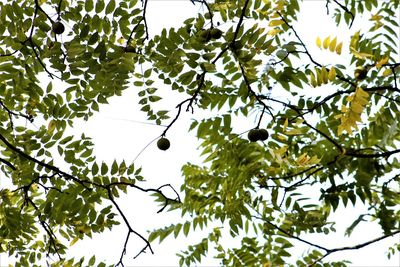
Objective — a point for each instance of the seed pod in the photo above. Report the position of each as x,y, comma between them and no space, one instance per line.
253,135
58,27
163,143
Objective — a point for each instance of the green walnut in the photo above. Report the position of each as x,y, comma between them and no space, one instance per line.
58,27
360,73
163,143
205,35
216,33
130,49
253,135
256,134
263,134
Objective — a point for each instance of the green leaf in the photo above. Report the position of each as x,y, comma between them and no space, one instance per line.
99,6
104,168
110,7
89,5
186,228
92,260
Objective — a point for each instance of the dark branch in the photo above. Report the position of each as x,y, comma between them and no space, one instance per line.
347,11
9,164
130,229
355,247
378,155
327,250
308,52
143,19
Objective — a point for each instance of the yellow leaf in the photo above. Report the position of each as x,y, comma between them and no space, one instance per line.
299,121
356,107
360,92
338,116
274,15
326,42
354,40
76,239
332,45
346,126
51,127
332,74
324,75
121,40
319,76
294,132
274,32
318,42
360,55
314,160
354,117
376,17
281,137
303,159
350,116
339,48
274,23
313,81
285,124
280,5
387,72
382,62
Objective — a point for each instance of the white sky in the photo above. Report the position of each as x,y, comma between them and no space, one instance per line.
117,137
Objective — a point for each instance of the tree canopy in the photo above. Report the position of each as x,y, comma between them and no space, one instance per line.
335,132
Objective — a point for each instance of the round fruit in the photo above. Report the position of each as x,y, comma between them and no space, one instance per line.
263,134
205,35
58,27
216,33
253,135
130,49
361,73
163,143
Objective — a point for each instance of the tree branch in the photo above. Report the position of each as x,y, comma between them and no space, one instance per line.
347,11
330,251
327,250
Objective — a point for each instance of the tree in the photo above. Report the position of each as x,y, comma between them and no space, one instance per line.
233,60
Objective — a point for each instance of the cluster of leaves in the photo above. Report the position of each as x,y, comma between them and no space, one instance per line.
256,190
44,208
234,60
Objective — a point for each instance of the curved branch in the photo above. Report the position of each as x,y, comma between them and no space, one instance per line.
361,245
347,11
240,20
38,7
143,19
179,107
327,137
43,164
327,250
308,52
130,230
378,155
9,164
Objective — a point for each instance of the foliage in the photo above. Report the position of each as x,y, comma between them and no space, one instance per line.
341,142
